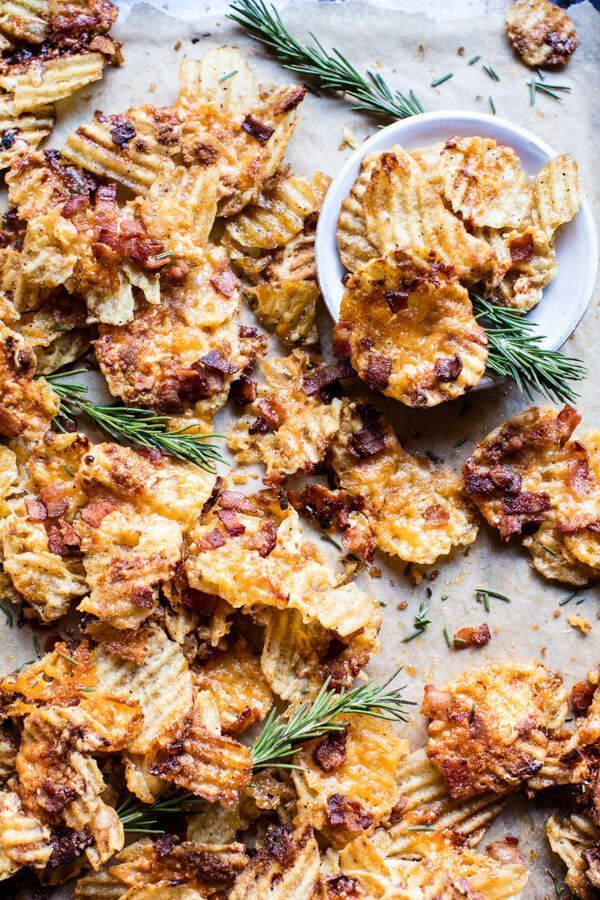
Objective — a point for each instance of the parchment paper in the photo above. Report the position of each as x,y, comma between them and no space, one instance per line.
411,49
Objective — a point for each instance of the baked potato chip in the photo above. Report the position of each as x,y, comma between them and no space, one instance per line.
526,263
576,841
556,193
180,208
279,212
292,653
414,509
289,308
26,20
410,330
136,163
348,781
36,84
27,405
161,684
484,183
490,727
204,80
234,679
286,866
287,427
355,245
22,131
434,865
403,210
23,838
528,477
541,32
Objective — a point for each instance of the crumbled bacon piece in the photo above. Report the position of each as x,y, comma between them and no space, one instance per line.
582,695
259,130
478,484
472,636
341,339
330,752
342,887
321,503
53,497
397,300
448,369
230,521
290,100
436,514
224,281
358,540
279,844
53,797
67,846
142,596
36,510
264,540
95,511
74,204
62,539
521,248
579,471
213,540
122,132
243,391
323,376
526,503
271,418
366,442
348,814
214,360
237,501
378,372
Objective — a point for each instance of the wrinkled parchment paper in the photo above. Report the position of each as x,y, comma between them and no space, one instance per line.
411,43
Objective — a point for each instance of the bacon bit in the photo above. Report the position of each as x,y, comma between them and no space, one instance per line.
582,695
448,369
224,281
378,372
325,375
506,479
566,422
74,204
436,703
279,844
579,471
526,503
264,540
53,797
247,331
290,100
95,511
472,636
237,501
341,339
243,391
67,846
212,540
259,130
359,540
271,419
348,814
397,300
521,248
319,502
214,360
36,510
230,521
330,752
142,596
63,540
344,888
123,131
478,484
198,601
176,272
436,514
510,525
367,441
214,495
53,498
506,851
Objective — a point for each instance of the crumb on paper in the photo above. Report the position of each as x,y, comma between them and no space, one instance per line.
239,478
402,605
152,87
375,572
412,671
579,622
349,139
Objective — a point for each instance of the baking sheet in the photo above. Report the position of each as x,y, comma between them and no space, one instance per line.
410,49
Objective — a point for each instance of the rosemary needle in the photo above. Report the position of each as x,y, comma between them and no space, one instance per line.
421,623
229,75
474,59
7,613
441,80
329,70
492,73
492,104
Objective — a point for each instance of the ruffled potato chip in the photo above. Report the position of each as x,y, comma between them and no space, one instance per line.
557,193
525,263
293,653
289,308
24,840
25,130
354,243
414,509
484,183
27,405
403,210
36,84
348,781
490,727
286,866
541,32
409,330
576,841
528,478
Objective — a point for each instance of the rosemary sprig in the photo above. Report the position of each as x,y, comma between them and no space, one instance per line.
7,613
328,69
144,818
483,595
140,427
281,737
421,623
536,87
515,353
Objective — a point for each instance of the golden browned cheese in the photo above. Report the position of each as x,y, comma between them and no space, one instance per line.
181,354
410,329
576,841
198,867
484,184
489,728
286,428
27,405
414,509
403,210
24,840
541,32
348,781
525,263
234,679
286,866
529,478
242,126
433,865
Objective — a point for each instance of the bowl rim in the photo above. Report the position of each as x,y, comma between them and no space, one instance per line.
384,138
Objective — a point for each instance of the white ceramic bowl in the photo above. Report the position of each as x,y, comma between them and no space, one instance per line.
565,299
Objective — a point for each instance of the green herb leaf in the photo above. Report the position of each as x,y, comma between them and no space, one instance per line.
420,624
7,613
441,80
